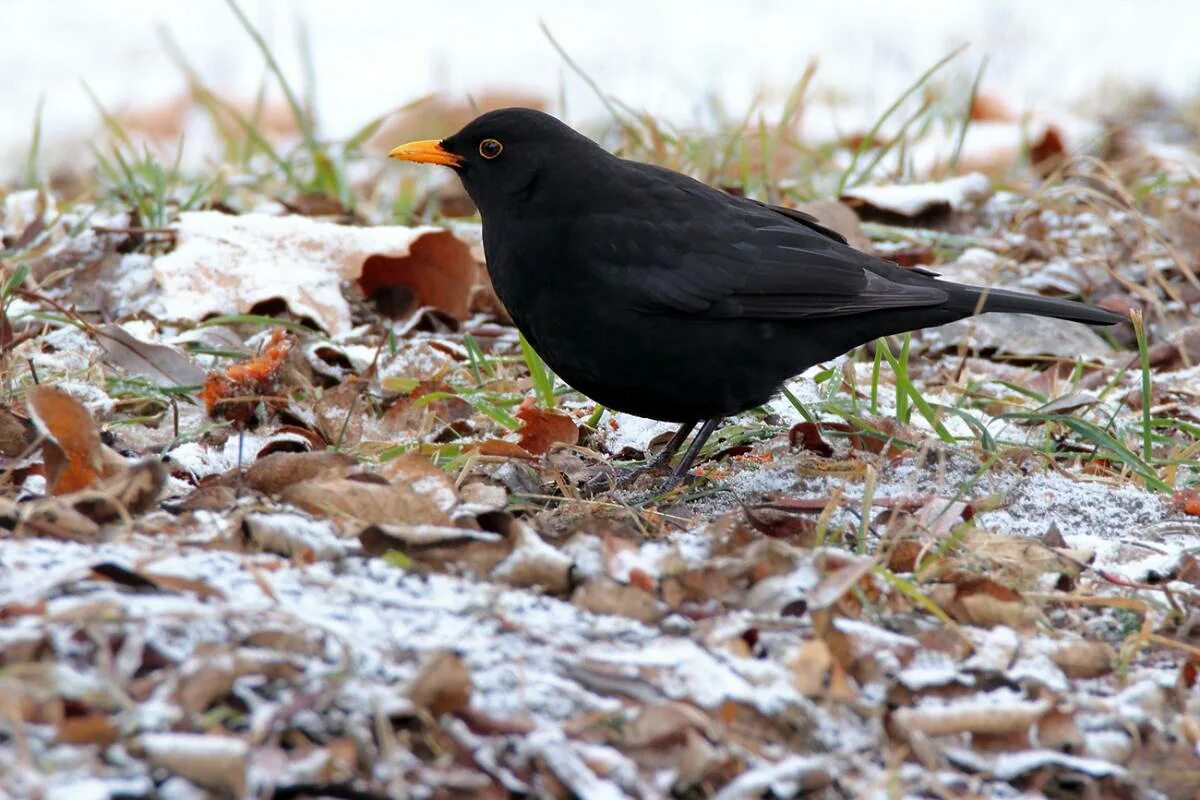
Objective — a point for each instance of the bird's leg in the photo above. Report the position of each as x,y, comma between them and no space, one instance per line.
681,469
664,456
670,449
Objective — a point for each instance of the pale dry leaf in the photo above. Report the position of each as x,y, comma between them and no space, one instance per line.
370,503
841,218
996,713
273,473
532,562
839,580
603,595
218,763
915,200
224,264
160,364
290,534
811,664
421,476
671,736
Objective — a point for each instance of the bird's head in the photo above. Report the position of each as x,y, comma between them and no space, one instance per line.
504,157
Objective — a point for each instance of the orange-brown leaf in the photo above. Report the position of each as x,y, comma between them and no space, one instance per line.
72,450
540,429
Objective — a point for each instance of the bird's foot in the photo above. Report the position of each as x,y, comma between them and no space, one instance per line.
627,477
613,478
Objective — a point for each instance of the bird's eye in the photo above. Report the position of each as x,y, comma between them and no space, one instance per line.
490,148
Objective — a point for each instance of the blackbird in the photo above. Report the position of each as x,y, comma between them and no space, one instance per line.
655,294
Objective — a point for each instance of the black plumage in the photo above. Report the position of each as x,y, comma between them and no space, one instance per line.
655,294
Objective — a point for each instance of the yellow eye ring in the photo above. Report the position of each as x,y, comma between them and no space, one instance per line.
490,148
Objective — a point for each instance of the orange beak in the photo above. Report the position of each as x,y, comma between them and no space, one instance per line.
427,151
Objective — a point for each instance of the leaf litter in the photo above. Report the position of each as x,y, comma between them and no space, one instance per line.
288,510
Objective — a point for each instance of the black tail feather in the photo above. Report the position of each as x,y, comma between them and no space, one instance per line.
979,299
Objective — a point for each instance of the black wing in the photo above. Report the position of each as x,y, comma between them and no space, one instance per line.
720,257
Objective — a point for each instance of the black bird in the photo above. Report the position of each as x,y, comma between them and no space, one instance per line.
655,294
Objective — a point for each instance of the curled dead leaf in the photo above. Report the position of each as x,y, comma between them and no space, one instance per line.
95,729
606,596
16,434
74,456
163,365
995,713
273,473
1083,659
218,763
532,562
426,500
541,428
226,264
443,685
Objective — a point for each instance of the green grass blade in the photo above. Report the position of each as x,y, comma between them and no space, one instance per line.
543,378
869,139
1139,330
966,119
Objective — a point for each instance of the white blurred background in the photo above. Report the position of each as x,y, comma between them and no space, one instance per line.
669,58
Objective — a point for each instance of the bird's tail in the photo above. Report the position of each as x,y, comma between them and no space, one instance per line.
979,299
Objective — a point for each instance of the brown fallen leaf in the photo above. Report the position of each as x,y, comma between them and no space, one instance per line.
502,448
541,428
1083,659
74,456
982,601
918,201
409,411
367,502
16,434
606,596
96,729
995,713
807,435
811,664
442,686
672,736
277,471
133,490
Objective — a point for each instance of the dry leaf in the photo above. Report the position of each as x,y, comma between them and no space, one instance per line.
916,201
218,763
294,535
94,729
367,502
811,664
75,458
1082,659
443,686
273,473
540,428
606,596
532,562
995,713
225,264
16,434
162,365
